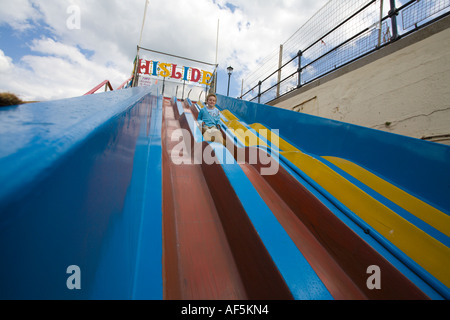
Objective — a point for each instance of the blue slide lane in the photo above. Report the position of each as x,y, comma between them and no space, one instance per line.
296,271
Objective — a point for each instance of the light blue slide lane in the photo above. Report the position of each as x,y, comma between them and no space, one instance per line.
148,274
132,247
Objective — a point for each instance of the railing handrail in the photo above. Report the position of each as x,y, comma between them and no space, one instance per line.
123,84
106,82
303,65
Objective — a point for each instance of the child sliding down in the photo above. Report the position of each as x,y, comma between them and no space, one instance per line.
209,119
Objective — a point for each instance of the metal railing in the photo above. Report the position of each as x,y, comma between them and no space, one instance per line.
106,84
338,34
125,84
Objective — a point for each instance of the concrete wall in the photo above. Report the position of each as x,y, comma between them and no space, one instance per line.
403,88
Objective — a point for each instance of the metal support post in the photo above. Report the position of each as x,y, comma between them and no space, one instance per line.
299,69
259,91
393,15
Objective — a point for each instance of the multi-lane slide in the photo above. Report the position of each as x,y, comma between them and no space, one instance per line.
118,195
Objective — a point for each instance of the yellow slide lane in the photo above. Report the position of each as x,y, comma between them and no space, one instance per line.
200,105
431,254
267,134
246,136
428,252
227,114
434,217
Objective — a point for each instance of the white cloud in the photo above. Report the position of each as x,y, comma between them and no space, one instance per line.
5,63
73,61
18,13
56,71
51,47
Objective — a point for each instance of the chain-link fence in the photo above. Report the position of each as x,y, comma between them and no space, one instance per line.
339,33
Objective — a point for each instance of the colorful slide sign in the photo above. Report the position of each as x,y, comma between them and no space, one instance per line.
170,70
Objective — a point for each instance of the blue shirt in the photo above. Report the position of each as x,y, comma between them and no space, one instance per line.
210,117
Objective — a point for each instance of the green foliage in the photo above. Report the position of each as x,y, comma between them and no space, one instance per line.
9,99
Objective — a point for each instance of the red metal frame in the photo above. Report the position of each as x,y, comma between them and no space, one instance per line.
123,84
106,82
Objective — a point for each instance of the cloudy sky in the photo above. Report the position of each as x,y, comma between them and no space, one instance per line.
52,49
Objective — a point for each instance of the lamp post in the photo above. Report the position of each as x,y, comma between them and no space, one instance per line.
230,71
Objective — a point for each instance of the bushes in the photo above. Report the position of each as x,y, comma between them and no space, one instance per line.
9,99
